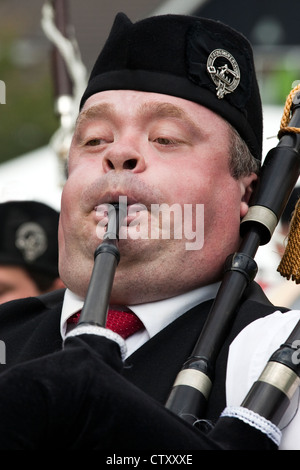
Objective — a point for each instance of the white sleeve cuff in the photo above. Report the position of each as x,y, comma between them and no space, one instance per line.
254,420
99,331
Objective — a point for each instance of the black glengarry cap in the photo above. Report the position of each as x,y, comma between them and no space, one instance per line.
29,236
194,58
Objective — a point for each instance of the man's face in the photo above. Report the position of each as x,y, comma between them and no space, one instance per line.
157,151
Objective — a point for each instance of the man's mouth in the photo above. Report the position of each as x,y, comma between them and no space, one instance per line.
127,205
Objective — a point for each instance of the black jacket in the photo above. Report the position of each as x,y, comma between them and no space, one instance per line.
30,328
81,395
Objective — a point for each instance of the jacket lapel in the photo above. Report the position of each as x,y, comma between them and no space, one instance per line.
154,366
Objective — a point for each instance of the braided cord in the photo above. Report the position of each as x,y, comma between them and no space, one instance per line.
289,266
286,117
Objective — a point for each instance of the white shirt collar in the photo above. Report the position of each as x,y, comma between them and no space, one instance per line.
157,315
72,303
154,315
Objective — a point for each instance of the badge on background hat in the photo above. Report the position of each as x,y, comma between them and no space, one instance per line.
31,240
224,71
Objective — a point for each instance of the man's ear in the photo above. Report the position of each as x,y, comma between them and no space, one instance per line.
247,184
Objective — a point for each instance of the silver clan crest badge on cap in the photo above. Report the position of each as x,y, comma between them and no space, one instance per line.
224,71
31,240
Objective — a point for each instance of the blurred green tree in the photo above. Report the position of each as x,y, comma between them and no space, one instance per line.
27,119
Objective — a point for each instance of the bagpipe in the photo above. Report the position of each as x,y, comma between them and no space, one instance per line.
279,174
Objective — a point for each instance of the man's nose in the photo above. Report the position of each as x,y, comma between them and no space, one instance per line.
123,157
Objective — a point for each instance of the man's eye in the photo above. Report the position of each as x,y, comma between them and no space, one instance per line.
94,142
164,141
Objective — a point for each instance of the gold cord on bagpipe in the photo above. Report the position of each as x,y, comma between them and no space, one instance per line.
289,266
286,117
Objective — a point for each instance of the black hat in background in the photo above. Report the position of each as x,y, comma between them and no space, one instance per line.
189,57
29,236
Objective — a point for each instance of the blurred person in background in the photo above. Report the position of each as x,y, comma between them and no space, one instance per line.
28,250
